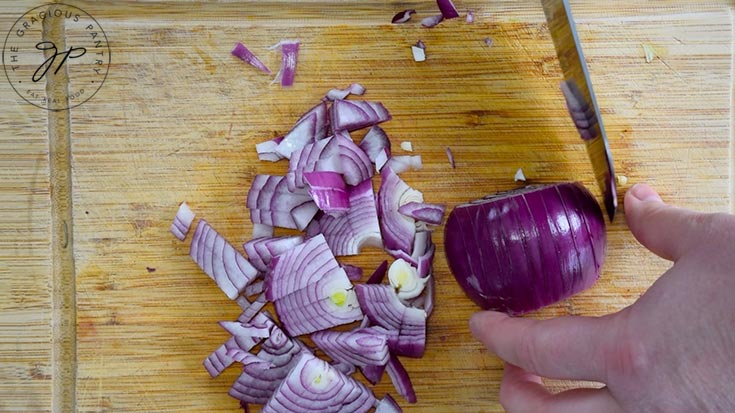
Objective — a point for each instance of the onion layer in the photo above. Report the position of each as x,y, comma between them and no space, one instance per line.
524,249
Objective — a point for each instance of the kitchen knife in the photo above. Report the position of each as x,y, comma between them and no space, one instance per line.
580,97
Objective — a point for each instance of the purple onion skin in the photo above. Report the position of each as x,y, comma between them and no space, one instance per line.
527,248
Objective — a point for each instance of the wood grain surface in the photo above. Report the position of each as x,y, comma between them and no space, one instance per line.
178,117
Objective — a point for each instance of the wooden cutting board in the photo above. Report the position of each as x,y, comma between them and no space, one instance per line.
178,117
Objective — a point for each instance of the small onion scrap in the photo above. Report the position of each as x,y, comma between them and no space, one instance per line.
244,54
528,248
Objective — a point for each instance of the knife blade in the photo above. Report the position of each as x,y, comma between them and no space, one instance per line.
580,98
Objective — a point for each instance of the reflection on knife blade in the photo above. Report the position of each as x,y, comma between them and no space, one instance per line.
580,98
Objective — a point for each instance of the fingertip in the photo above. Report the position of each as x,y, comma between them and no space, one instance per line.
644,193
481,322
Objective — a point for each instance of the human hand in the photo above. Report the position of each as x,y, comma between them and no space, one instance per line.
672,351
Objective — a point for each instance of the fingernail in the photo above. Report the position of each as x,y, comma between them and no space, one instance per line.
643,192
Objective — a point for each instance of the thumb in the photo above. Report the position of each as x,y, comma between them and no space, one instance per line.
666,230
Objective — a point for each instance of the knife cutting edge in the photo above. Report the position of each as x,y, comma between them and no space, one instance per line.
580,98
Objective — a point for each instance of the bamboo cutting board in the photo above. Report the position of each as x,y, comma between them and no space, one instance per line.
86,196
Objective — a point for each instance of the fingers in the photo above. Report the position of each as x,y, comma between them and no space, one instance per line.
666,230
562,348
523,392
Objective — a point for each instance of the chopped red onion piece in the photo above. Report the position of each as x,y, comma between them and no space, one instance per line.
429,213
354,273
182,222
407,146
328,190
351,115
348,233
345,368
424,262
253,309
303,133
450,157
388,405
420,44
329,302
404,163
398,230
248,359
261,230
373,374
432,21
519,176
379,274
447,8
257,385
320,156
429,296
399,376
359,348
300,266
381,159
262,250
403,16
470,16
313,385
406,280
374,141
489,42
355,164
247,56
254,288
419,54
382,306
353,89
321,110
218,361
272,203
289,57
220,261
252,329
267,150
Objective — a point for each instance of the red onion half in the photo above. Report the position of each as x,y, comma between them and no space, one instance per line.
524,249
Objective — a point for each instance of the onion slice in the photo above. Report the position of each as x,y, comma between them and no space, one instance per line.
242,52
379,274
470,17
319,156
256,385
430,213
359,348
405,279
328,190
398,230
388,405
220,261
432,21
399,376
374,142
272,203
403,163
351,115
382,306
353,272
267,150
450,157
329,302
353,89
403,16
313,385
261,251
182,222
289,57
447,8
359,227
355,164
